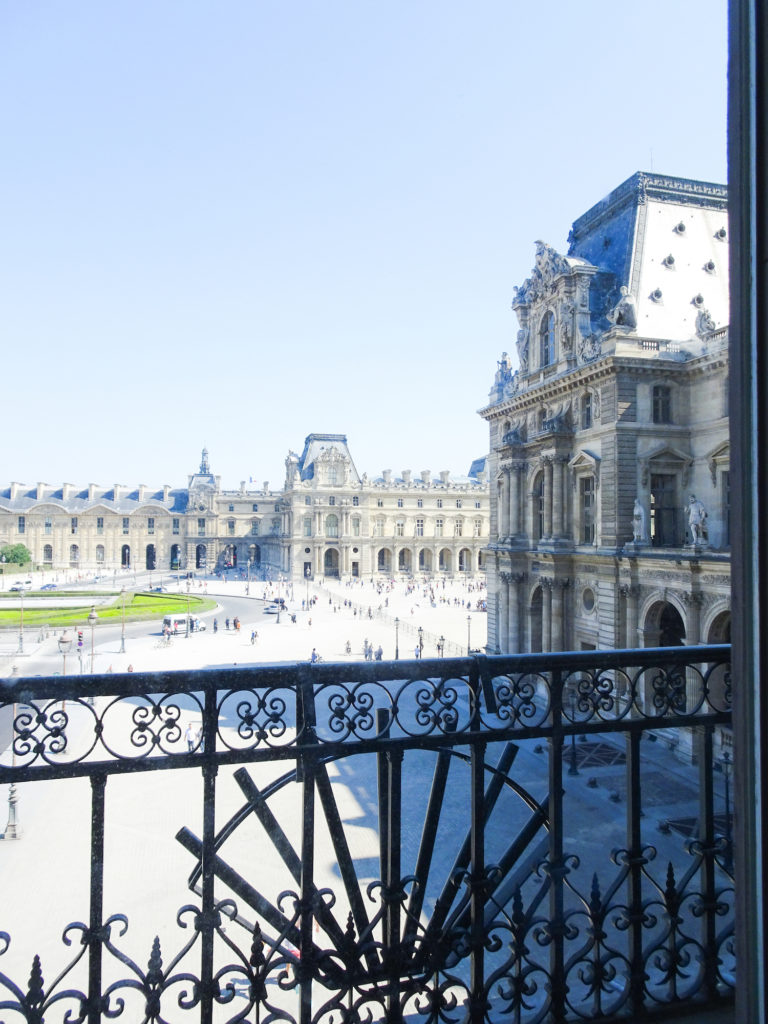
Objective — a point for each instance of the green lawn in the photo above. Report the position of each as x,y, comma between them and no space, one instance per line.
139,606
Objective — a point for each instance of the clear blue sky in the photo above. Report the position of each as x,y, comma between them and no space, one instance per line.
231,224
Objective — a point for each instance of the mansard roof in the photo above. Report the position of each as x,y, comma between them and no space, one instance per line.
325,446
21,499
666,240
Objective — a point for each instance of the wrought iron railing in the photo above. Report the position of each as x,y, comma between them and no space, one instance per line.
527,838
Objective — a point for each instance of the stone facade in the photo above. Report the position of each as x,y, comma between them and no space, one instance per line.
609,445
327,519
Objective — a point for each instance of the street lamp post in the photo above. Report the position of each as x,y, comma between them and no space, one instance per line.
469,631
421,641
573,770
187,632
441,647
93,618
65,643
21,624
397,638
122,635
307,572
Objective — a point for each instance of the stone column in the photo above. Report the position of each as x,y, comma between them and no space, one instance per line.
546,614
558,618
503,510
517,580
502,634
557,497
548,497
693,602
514,501
631,592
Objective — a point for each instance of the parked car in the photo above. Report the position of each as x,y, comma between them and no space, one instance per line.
48,586
22,585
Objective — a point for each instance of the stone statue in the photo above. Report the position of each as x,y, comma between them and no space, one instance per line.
504,371
697,520
566,328
638,523
522,349
624,314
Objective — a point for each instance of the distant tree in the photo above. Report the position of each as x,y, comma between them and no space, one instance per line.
17,553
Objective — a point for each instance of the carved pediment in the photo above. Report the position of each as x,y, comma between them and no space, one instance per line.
665,458
719,457
585,462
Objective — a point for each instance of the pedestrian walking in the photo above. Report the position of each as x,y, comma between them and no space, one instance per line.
189,736
215,625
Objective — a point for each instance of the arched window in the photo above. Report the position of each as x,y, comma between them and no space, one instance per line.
48,554
100,554
74,555
547,340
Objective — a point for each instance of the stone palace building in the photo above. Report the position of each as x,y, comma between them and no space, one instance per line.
609,444
328,520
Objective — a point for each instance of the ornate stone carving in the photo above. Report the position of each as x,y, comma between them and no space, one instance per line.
590,347
705,325
624,313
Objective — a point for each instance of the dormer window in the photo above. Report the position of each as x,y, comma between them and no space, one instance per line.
547,340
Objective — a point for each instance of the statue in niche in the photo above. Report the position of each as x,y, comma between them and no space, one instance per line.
638,523
697,520
624,313
522,349
566,329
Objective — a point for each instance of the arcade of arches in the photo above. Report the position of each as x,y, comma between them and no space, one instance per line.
554,614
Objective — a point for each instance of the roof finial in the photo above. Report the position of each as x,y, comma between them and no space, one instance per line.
205,469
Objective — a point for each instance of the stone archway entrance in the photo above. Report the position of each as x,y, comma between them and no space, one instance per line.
125,556
201,556
331,563
150,558
663,626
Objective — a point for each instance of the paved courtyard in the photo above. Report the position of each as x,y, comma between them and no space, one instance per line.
45,873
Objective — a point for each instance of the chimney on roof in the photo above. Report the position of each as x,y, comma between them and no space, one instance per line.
16,489
242,486
91,492
266,486
67,491
142,492
166,491
387,475
406,473
425,477
116,492
41,488
444,474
